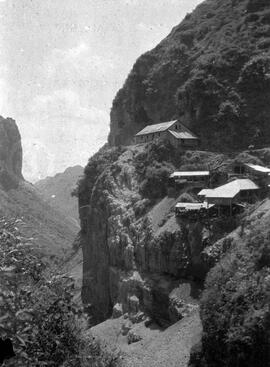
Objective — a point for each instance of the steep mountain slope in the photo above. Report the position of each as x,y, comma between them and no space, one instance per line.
57,191
139,260
212,72
157,348
52,231
235,309
136,252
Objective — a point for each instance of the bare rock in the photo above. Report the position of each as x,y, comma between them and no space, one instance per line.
132,337
10,154
126,327
117,311
139,317
134,304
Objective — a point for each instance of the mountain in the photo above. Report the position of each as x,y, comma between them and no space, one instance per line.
50,229
212,72
142,265
57,190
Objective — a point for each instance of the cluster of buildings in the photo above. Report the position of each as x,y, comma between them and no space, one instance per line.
245,183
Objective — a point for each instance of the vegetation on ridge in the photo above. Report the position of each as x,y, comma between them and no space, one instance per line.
212,71
235,306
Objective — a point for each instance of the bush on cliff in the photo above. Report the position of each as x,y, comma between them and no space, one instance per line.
95,166
235,308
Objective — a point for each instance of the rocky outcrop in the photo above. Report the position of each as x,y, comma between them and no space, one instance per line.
212,72
10,154
50,230
129,266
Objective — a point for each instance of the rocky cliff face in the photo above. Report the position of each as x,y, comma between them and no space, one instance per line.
212,72
51,230
10,154
138,257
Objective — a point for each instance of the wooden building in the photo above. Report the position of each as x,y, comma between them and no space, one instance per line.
202,194
257,173
194,209
173,131
237,191
193,178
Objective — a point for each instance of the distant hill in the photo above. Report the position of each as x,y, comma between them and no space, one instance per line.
212,71
57,191
51,230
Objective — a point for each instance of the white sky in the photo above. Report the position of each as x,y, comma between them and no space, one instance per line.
61,64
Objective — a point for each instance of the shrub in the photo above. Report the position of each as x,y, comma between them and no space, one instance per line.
187,37
235,307
256,5
37,309
186,198
255,74
154,185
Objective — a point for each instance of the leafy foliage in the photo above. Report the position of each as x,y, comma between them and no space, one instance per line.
235,307
256,5
211,72
38,314
37,310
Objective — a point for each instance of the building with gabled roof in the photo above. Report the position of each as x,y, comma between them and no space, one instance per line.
258,169
152,129
257,173
201,194
239,190
231,189
173,131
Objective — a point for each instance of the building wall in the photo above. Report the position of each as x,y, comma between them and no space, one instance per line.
248,196
150,137
182,143
165,135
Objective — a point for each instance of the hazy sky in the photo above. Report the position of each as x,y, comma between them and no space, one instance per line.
61,64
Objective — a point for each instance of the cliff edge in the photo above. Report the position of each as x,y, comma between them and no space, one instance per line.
139,258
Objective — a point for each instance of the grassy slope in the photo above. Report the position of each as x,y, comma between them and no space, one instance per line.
57,191
51,230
